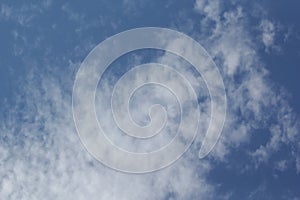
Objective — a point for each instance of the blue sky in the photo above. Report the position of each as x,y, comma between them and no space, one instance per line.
256,46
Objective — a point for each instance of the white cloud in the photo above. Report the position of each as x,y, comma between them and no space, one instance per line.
211,9
282,165
269,32
23,14
254,101
6,11
41,156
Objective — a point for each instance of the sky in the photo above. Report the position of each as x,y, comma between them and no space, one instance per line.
255,46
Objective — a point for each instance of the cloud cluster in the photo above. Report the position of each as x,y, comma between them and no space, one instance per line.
255,103
41,156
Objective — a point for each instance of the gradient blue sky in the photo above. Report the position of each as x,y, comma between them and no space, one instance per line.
255,44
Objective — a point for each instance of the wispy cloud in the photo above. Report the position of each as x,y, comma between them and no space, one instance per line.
268,36
41,156
254,101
